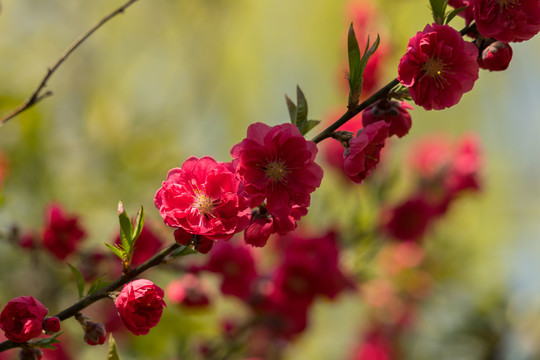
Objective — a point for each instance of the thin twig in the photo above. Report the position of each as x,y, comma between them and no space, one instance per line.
38,93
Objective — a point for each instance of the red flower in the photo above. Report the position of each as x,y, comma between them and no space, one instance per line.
364,151
393,112
466,13
496,56
204,197
22,319
62,233
507,20
277,163
140,305
438,67
236,265
409,221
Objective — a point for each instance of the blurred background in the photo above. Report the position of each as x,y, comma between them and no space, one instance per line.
170,79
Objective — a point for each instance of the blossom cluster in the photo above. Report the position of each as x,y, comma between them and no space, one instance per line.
273,172
444,171
278,295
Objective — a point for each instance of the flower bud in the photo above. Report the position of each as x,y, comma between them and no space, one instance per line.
496,56
51,325
95,333
30,353
393,112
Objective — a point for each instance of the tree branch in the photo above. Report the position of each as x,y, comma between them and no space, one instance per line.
155,260
38,93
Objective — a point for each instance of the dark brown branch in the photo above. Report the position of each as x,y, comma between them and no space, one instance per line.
38,93
155,260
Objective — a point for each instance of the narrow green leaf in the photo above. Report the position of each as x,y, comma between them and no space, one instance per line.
112,354
438,10
79,280
97,284
292,109
46,343
118,252
126,228
182,251
139,223
301,109
355,76
452,14
308,125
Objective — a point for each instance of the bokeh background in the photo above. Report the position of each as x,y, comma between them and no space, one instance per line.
171,79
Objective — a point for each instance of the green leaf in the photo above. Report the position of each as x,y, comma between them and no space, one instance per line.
139,223
79,280
308,125
126,228
355,76
438,10
452,14
301,109
46,343
118,252
97,284
182,251
292,109
112,354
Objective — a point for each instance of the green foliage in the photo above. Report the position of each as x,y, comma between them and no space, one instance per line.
357,65
182,251
129,232
299,112
46,343
79,280
112,353
452,14
438,10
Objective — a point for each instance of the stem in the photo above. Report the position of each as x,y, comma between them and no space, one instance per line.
37,95
353,112
155,260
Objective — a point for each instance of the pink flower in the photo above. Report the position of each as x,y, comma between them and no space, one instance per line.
507,20
332,149
62,233
22,319
140,305
393,112
364,151
467,13
236,265
409,220
438,67
496,56
277,164
204,197
188,291
260,228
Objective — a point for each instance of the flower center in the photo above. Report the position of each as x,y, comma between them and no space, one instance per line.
204,204
276,170
434,67
508,3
